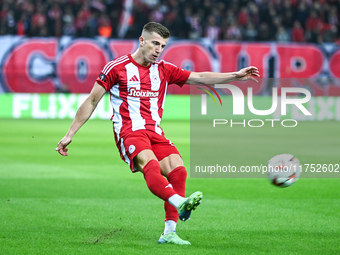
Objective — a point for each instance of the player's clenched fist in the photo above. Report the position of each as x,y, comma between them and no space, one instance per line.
62,146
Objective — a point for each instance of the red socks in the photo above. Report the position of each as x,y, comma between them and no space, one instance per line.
157,184
177,178
163,189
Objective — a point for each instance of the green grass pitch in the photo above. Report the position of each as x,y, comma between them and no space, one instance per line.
90,202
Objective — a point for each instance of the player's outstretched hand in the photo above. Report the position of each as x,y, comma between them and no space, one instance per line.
248,73
62,146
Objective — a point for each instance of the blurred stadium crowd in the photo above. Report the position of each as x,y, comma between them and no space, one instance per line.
315,21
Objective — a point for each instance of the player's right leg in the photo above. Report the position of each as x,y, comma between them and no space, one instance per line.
135,149
160,187
147,163
172,167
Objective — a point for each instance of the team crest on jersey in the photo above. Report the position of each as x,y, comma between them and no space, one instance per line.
155,79
142,93
102,77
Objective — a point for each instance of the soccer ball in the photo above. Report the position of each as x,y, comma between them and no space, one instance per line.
283,170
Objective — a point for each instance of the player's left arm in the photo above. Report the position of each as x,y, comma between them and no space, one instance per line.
211,78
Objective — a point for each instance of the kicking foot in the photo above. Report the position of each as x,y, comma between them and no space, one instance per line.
188,204
172,238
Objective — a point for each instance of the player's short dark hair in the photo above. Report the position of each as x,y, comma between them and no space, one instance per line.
157,28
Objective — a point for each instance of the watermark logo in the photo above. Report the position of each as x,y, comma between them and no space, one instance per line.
239,102
204,98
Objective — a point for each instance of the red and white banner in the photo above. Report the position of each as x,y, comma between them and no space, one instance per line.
46,65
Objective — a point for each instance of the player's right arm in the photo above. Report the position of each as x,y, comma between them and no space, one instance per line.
83,114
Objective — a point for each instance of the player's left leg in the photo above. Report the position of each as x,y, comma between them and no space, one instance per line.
172,168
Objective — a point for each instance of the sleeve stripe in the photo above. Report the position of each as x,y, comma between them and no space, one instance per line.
113,63
168,63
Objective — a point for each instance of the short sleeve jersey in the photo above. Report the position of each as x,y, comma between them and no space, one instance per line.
137,93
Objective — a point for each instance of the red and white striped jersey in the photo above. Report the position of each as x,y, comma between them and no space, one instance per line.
138,92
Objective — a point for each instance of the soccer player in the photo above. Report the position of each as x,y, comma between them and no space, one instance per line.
137,84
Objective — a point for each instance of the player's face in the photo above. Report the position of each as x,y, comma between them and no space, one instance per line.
152,45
